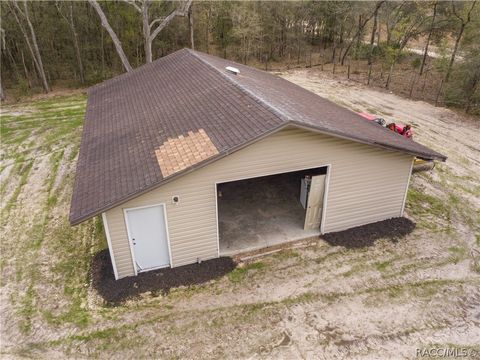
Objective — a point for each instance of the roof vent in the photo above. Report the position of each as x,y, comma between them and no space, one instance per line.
232,70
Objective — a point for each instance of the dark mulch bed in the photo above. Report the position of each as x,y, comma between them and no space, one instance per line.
361,236
158,282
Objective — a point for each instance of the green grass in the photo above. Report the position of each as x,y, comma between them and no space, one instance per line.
53,125
420,290
73,272
286,254
238,274
27,310
382,266
476,267
303,298
355,269
24,172
420,203
457,253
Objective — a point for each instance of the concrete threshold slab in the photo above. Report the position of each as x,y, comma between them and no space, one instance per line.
258,251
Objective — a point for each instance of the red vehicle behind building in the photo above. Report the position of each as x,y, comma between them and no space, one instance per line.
404,130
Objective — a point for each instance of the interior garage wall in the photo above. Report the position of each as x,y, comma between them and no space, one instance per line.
367,184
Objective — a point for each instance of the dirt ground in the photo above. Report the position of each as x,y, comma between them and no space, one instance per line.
317,300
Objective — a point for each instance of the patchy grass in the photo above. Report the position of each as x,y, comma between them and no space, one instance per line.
383,266
24,171
421,204
240,273
286,254
355,269
457,253
52,128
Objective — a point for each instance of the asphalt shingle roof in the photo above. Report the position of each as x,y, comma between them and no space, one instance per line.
186,108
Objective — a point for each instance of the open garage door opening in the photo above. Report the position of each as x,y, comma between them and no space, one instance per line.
270,210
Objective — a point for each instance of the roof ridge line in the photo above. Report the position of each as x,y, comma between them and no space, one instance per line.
287,119
269,106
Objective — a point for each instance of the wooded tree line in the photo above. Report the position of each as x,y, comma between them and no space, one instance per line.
79,43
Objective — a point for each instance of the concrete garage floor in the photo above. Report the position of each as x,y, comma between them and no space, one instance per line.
261,212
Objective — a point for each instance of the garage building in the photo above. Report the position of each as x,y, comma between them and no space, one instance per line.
192,157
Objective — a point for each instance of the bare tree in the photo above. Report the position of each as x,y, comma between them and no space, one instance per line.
113,35
372,44
71,24
430,31
30,40
150,32
2,47
208,16
464,21
361,26
407,26
190,26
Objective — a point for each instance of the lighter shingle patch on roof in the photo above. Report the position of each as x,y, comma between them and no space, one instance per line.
180,153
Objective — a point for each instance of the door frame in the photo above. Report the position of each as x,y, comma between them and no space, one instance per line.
132,252
325,194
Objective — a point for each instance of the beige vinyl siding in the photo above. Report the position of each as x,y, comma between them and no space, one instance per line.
366,184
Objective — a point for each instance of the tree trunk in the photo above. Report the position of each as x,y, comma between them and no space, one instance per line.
116,41
361,26
389,77
424,83
40,69
103,53
190,27
298,46
439,92
207,29
146,33
372,41
76,45
464,22
163,23
454,53
27,76
13,62
334,46
472,94
412,85
369,74
425,53
34,50
2,94
357,44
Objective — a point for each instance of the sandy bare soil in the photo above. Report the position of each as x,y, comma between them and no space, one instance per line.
314,301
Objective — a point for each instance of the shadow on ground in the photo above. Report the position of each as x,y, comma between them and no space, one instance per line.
366,235
114,292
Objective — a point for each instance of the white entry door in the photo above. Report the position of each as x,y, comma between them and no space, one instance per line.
313,217
148,235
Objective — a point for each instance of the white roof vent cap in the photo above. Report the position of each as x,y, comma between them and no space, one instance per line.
232,70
